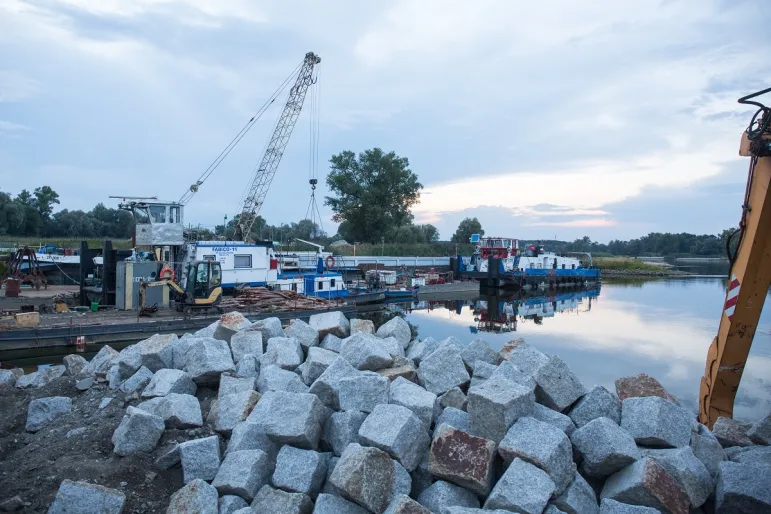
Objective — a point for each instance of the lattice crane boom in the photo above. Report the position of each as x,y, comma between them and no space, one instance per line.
266,170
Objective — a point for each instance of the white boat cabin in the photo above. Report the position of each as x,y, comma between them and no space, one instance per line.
515,258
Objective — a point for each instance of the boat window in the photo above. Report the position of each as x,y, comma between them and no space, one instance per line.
158,213
210,257
320,285
242,261
332,283
563,266
294,286
174,215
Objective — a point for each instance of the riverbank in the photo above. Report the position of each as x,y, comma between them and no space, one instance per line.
631,267
288,417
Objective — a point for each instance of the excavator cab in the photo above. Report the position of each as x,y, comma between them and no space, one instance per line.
204,281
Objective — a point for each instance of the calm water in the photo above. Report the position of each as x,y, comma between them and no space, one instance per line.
660,327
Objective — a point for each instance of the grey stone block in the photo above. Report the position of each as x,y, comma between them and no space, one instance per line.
342,428
441,495
646,483
421,476
578,498
273,378
230,503
196,496
392,346
401,367
200,458
84,384
284,352
250,436
609,506
156,352
463,459
331,504
179,349
167,456
479,350
85,498
482,371
316,363
327,386
137,381
7,377
328,487
543,445
551,509
397,431
207,331
760,431
752,455
74,364
305,334
207,359
44,411
269,328
743,488
113,377
35,379
604,447
470,510
128,361
454,418
363,392
176,410
556,386
245,342
707,449
277,501
230,323
248,366
398,329
364,326
365,352
731,432
688,471
333,322
559,420
369,477
233,409
656,422
243,473
403,504
290,418
419,350
101,361
139,431
495,405
522,488
300,471
597,403
453,398
452,343
167,381
418,400
442,370
525,357
509,371
232,384
332,343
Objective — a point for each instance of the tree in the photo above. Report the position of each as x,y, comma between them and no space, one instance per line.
467,227
44,201
373,193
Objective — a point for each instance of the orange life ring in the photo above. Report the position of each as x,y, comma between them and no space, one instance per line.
163,274
330,262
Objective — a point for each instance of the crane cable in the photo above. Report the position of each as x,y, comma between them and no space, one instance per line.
313,213
215,164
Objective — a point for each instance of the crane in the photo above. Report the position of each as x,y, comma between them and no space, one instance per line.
750,275
266,170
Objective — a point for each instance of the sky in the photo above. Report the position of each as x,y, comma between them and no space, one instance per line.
543,119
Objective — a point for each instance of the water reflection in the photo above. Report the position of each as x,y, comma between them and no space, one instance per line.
660,327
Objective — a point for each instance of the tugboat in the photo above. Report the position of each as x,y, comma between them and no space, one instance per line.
499,262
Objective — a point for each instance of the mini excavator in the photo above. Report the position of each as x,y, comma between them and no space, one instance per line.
749,276
202,292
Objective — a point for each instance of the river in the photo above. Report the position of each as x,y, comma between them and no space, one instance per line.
661,327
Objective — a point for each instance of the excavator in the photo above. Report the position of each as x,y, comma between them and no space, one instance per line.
203,289
749,254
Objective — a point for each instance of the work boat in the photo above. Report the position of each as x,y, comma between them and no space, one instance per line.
500,262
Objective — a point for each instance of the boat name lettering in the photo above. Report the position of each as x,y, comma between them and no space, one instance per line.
223,249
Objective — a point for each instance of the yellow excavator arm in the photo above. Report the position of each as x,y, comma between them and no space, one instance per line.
750,275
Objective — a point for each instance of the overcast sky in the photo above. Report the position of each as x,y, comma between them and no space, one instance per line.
605,118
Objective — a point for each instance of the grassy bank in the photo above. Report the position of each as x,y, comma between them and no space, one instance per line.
625,264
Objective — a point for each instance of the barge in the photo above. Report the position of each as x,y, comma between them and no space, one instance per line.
499,262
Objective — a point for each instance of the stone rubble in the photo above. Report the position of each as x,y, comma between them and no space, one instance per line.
333,416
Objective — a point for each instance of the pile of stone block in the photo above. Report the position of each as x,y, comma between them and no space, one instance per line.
334,416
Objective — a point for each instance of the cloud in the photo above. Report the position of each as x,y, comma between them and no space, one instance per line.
7,127
591,222
15,86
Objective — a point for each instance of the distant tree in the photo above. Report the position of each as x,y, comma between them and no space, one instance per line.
372,193
25,198
44,201
467,227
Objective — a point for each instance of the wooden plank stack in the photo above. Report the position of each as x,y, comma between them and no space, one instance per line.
260,299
